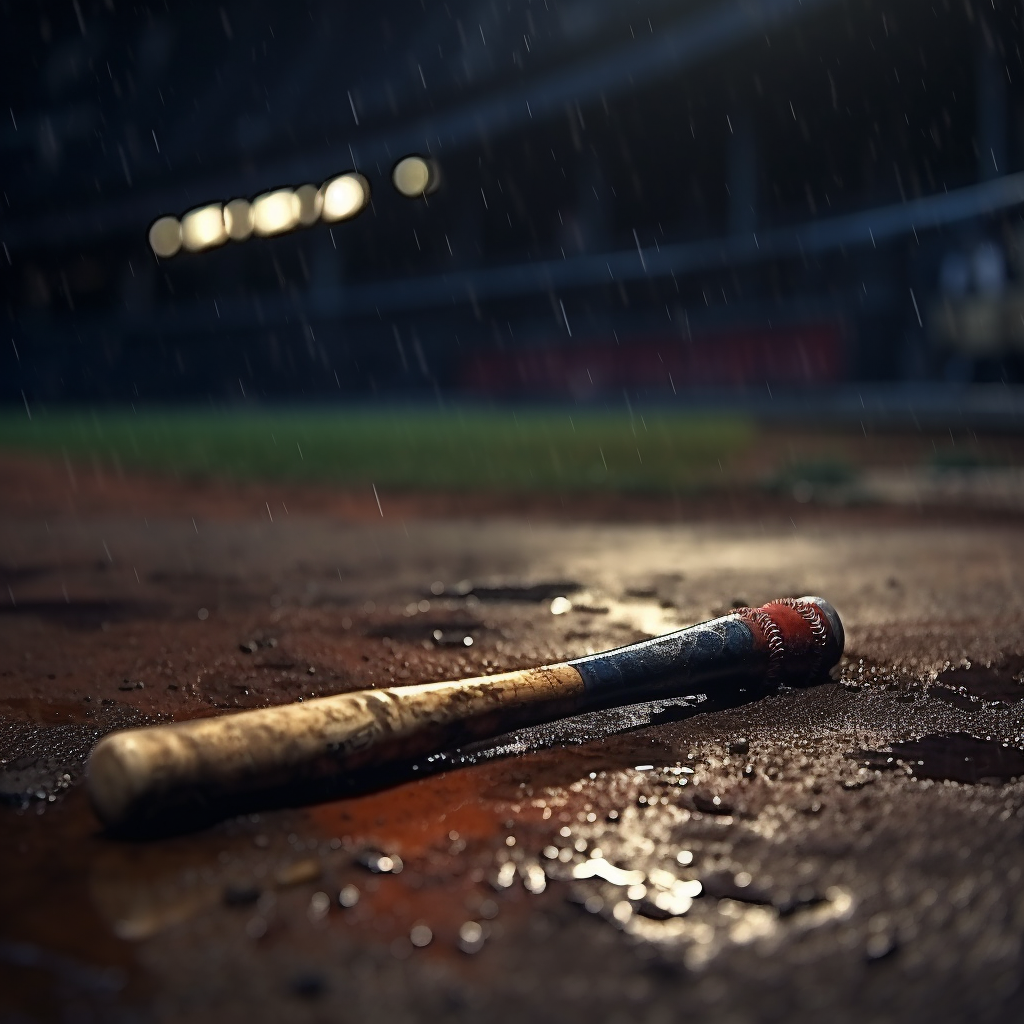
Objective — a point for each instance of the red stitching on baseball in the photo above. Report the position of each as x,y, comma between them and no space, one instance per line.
815,620
772,634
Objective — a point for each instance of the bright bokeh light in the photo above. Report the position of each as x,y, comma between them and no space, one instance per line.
238,219
272,213
165,237
310,204
345,196
203,228
275,212
414,176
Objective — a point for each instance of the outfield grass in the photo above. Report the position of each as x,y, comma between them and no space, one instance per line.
398,447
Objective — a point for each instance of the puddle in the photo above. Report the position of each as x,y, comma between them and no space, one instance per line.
422,627
1002,681
956,757
530,592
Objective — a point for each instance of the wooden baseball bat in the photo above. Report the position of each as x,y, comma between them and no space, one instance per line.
137,775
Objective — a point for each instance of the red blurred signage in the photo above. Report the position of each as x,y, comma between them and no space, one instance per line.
794,356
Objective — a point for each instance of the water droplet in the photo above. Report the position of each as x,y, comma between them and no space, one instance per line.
380,863
319,904
348,897
879,946
471,937
535,881
506,875
622,911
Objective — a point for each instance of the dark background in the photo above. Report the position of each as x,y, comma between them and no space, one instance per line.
668,199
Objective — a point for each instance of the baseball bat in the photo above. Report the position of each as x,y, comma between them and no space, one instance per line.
137,775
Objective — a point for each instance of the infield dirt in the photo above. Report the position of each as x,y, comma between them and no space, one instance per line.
857,843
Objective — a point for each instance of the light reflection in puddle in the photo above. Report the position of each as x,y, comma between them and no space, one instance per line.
713,927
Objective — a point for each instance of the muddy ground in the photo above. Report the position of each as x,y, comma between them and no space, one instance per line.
849,852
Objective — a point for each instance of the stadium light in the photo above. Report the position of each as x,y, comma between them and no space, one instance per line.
310,204
414,176
238,219
165,237
203,228
273,213
344,196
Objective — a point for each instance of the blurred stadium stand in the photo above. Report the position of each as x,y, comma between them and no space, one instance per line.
703,197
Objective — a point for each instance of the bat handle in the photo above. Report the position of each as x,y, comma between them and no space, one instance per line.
136,775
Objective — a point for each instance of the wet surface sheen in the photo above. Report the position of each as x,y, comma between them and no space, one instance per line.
851,850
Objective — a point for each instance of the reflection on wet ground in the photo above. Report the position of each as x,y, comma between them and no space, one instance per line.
614,866
1002,681
957,758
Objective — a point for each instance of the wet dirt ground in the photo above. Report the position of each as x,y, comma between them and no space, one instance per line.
849,852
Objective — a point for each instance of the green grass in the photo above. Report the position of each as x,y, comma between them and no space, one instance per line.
398,447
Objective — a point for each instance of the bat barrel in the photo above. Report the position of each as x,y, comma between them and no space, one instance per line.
792,640
137,775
